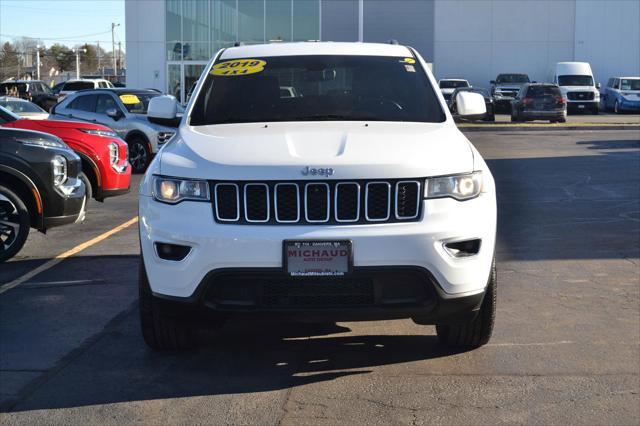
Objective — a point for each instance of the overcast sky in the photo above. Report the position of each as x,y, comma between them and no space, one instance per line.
67,22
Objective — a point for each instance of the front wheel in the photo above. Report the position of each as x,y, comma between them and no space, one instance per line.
160,332
14,224
88,189
477,332
139,155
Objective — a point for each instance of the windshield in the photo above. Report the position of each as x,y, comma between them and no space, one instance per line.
77,85
512,78
19,107
137,103
12,88
575,80
317,87
630,84
451,84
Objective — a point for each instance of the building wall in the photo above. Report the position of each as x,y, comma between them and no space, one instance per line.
339,20
608,36
145,40
477,39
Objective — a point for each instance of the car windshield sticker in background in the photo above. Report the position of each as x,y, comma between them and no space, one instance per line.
238,67
129,99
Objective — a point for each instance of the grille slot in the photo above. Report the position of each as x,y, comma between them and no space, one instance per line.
316,201
347,202
302,202
407,199
302,294
227,200
378,196
287,202
256,202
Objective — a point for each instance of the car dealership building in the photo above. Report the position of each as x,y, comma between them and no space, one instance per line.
169,42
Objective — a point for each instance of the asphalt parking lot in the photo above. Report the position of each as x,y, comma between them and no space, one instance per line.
566,348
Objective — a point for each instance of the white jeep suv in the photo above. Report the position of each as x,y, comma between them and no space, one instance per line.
355,199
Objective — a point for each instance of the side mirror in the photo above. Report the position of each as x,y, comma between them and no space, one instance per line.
597,85
113,113
163,107
470,105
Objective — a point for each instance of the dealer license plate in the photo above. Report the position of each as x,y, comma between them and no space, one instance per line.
580,106
317,258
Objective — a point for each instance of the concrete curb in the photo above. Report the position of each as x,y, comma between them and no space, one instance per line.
544,127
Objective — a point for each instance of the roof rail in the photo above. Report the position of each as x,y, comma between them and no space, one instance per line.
238,44
393,41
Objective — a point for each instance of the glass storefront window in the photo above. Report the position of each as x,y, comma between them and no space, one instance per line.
306,20
173,80
224,28
251,21
173,29
195,21
191,75
278,20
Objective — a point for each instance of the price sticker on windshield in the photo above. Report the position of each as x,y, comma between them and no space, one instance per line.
129,99
238,67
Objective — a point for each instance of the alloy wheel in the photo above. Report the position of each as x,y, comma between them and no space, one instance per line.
137,155
9,223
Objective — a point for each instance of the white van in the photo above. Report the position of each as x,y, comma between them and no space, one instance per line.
577,85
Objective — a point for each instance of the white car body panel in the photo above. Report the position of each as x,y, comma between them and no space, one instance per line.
354,150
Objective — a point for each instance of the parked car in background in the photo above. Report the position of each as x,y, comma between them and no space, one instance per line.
34,91
105,169
621,94
577,85
488,101
72,86
123,110
539,101
39,186
448,85
23,108
505,87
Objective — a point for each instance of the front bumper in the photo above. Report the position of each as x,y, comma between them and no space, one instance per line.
369,293
62,210
544,115
216,247
627,105
583,105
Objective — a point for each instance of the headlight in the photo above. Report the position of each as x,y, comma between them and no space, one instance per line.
460,187
113,153
171,190
103,133
44,143
164,136
59,168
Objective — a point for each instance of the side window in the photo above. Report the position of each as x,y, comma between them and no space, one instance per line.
610,83
616,83
84,103
104,103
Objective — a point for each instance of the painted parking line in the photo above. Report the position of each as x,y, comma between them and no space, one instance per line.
62,256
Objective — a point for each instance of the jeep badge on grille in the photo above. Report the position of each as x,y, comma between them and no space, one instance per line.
317,172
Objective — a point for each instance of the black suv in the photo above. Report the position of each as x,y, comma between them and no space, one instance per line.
539,101
35,91
39,186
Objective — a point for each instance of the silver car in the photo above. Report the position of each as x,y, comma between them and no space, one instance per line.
124,110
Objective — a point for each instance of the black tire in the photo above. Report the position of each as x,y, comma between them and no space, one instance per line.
139,155
88,189
562,120
477,332
160,332
15,224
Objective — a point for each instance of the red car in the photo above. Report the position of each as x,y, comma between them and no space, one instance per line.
105,165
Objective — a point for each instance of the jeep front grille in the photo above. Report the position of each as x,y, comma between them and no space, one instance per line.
317,202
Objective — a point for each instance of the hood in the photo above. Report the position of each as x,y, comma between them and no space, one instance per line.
565,89
509,86
34,115
60,124
281,151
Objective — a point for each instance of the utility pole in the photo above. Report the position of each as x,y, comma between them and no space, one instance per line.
98,52
119,57
113,47
38,62
78,61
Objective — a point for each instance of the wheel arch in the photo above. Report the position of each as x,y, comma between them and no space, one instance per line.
27,190
91,170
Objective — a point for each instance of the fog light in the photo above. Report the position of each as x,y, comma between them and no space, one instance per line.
173,252
463,248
